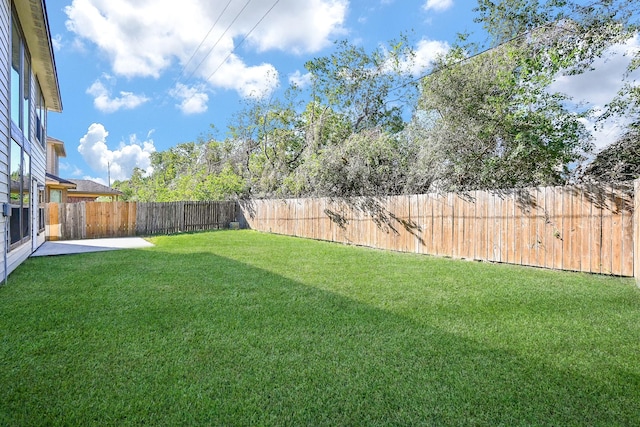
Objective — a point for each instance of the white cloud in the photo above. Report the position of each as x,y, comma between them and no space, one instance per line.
69,169
426,52
56,41
598,86
119,163
193,100
595,89
79,46
249,82
605,133
99,180
145,38
76,171
299,26
105,103
300,80
438,5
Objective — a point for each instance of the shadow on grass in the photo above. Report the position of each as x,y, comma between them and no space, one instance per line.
151,337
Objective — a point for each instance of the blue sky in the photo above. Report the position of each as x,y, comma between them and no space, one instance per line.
143,76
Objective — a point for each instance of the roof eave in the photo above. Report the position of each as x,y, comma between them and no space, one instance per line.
53,180
75,193
57,145
35,24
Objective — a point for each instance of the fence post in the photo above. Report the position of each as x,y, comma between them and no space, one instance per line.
636,230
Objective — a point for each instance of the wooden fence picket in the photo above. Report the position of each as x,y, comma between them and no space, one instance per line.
581,228
577,228
89,220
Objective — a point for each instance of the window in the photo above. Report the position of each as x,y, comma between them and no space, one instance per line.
55,196
41,117
20,198
20,81
41,207
26,95
16,61
28,122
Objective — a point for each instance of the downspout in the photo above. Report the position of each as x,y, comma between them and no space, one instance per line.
6,215
6,246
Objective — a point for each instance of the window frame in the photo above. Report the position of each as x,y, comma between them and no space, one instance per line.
20,199
41,117
24,76
20,190
41,206
51,193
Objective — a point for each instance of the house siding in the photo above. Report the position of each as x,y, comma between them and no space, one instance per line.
5,122
9,260
51,160
38,166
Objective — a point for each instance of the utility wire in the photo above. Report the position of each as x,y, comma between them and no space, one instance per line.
243,40
235,47
218,41
468,58
489,49
184,68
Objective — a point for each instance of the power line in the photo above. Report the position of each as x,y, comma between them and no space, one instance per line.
468,58
512,39
184,68
218,41
239,44
243,40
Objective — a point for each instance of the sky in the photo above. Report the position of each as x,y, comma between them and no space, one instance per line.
139,76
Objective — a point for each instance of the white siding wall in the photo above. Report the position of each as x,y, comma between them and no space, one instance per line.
5,120
38,166
38,154
50,159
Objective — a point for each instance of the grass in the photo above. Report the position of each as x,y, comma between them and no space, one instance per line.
244,328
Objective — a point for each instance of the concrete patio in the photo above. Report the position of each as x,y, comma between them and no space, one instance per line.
67,247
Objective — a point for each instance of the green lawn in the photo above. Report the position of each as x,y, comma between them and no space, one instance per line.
244,328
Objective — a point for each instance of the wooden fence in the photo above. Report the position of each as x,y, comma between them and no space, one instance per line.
87,220
579,228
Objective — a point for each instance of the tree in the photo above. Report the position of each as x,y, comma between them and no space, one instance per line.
368,163
203,170
269,138
567,36
370,90
494,123
618,162
352,124
133,188
288,146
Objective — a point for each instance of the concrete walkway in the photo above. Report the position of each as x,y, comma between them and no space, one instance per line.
67,247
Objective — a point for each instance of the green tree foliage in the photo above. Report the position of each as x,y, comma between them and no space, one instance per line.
618,162
368,163
496,127
289,147
567,36
369,89
188,171
269,138
367,126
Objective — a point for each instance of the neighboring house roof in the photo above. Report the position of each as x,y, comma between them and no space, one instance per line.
58,146
85,186
35,25
51,179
